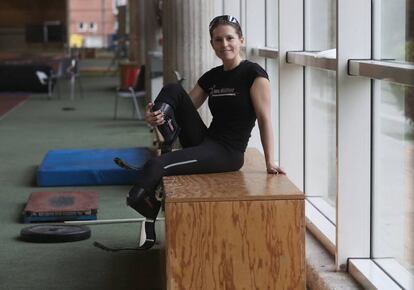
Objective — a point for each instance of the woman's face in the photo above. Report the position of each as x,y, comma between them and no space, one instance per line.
226,42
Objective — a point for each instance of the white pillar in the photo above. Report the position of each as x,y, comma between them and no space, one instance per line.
353,133
186,42
153,32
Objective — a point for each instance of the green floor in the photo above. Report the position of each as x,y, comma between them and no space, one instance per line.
26,134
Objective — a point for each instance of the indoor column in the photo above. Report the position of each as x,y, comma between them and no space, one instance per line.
186,42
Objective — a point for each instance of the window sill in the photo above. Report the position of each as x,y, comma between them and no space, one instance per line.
319,222
318,59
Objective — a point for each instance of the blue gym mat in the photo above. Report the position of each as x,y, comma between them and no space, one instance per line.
90,166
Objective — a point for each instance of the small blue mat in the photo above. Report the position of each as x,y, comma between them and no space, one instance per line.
90,166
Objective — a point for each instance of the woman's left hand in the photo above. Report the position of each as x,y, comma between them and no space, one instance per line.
272,168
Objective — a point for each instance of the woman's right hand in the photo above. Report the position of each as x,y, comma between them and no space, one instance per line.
153,118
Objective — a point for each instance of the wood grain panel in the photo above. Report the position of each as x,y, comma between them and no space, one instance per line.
235,245
250,183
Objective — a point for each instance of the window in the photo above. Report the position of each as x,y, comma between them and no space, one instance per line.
320,105
320,134
346,124
320,25
93,27
393,144
82,27
393,175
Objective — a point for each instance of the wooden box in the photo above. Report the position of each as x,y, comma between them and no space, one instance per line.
237,230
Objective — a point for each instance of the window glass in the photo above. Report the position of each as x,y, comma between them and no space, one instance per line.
93,27
320,25
320,105
396,29
320,134
81,27
393,178
393,142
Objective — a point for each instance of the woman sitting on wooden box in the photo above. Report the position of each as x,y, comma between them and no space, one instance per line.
238,93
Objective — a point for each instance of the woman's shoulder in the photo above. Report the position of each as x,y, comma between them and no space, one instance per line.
252,65
213,71
254,69
216,69
208,77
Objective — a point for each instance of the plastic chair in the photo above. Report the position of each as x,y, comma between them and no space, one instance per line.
74,77
136,94
67,68
59,74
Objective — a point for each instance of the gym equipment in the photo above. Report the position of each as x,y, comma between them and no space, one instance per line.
70,167
54,233
26,77
55,206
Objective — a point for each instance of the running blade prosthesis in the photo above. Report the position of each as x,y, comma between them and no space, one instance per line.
147,239
121,163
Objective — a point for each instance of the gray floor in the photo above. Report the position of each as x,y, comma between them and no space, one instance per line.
26,134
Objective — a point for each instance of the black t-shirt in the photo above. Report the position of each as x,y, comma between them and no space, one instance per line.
230,103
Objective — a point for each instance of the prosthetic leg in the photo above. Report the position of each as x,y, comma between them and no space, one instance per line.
144,200
148,205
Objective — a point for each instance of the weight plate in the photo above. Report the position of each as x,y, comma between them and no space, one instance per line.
55,233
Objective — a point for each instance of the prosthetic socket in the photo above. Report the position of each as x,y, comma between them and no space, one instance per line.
144,202
170,129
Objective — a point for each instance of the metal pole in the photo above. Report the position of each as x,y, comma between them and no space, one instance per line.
109,221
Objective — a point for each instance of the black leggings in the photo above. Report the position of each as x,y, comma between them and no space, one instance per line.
200,153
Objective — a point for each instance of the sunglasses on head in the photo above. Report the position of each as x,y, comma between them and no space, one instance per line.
223,18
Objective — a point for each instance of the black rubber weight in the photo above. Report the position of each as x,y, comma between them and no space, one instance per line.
55,233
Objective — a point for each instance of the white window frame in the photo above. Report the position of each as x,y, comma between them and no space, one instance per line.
353,222
378,272
320,216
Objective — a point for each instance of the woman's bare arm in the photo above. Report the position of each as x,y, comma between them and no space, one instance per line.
260,94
